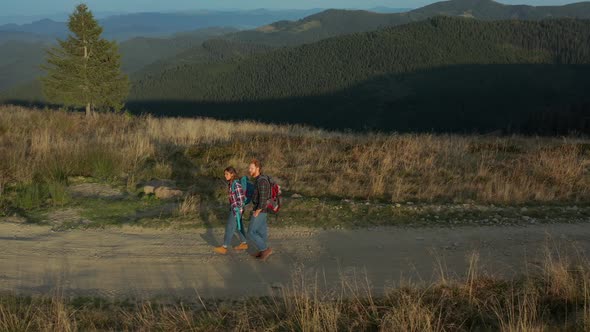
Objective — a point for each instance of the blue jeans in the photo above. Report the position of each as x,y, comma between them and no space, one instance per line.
231,228
258,231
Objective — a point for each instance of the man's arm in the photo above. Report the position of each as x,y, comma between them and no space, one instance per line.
256,197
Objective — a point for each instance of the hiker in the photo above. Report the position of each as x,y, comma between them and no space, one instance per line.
258,230
237,202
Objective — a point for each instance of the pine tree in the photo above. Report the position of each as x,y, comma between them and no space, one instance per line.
85,69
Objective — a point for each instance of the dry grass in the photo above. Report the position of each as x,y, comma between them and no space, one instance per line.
52,145
474,303
189,206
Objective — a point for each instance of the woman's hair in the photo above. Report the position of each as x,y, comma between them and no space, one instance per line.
233,172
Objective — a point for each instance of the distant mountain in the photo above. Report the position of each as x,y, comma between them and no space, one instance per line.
443,74
126,26
23,37
383,9
44,27
331,23
141,51
58,17
20,60
491,10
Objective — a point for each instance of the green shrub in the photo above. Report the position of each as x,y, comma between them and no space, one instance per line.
31,196
56,170
102,164
58,193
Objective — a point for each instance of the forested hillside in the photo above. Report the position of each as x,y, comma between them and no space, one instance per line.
333,23
389,77
327,83
210,52
150,56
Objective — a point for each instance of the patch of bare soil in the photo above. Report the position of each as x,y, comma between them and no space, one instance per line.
95,190
68,215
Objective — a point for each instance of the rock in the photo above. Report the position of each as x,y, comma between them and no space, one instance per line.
296,196
419,239
148,190
524,209
167,193
398,205
159,183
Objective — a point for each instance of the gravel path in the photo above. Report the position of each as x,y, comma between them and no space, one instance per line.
142,262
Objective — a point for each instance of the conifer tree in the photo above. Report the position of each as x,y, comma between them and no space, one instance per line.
85,70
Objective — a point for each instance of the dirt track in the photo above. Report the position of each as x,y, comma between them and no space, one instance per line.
139,262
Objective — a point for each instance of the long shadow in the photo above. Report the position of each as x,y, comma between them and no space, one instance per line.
511,98
522,98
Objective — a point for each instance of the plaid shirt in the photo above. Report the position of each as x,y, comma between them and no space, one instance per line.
237,197
261,194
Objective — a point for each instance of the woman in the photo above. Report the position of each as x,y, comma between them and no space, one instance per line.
237,197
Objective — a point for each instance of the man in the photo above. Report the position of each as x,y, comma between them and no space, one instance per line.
258,230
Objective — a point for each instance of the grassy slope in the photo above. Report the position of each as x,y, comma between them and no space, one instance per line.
348,180
311,29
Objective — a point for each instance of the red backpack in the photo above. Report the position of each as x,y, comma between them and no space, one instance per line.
274,201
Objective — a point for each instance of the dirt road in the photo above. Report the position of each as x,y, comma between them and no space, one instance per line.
140,262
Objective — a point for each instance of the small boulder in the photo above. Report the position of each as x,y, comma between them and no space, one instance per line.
296,196
148,190
167,193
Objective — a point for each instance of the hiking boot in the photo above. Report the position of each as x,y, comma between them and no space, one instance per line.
241,247
265,254
220,250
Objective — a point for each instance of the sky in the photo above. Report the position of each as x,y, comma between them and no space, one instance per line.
39,7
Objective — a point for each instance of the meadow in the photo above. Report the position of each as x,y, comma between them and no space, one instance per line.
347,178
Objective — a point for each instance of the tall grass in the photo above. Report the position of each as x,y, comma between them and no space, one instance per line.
53,145
477,302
